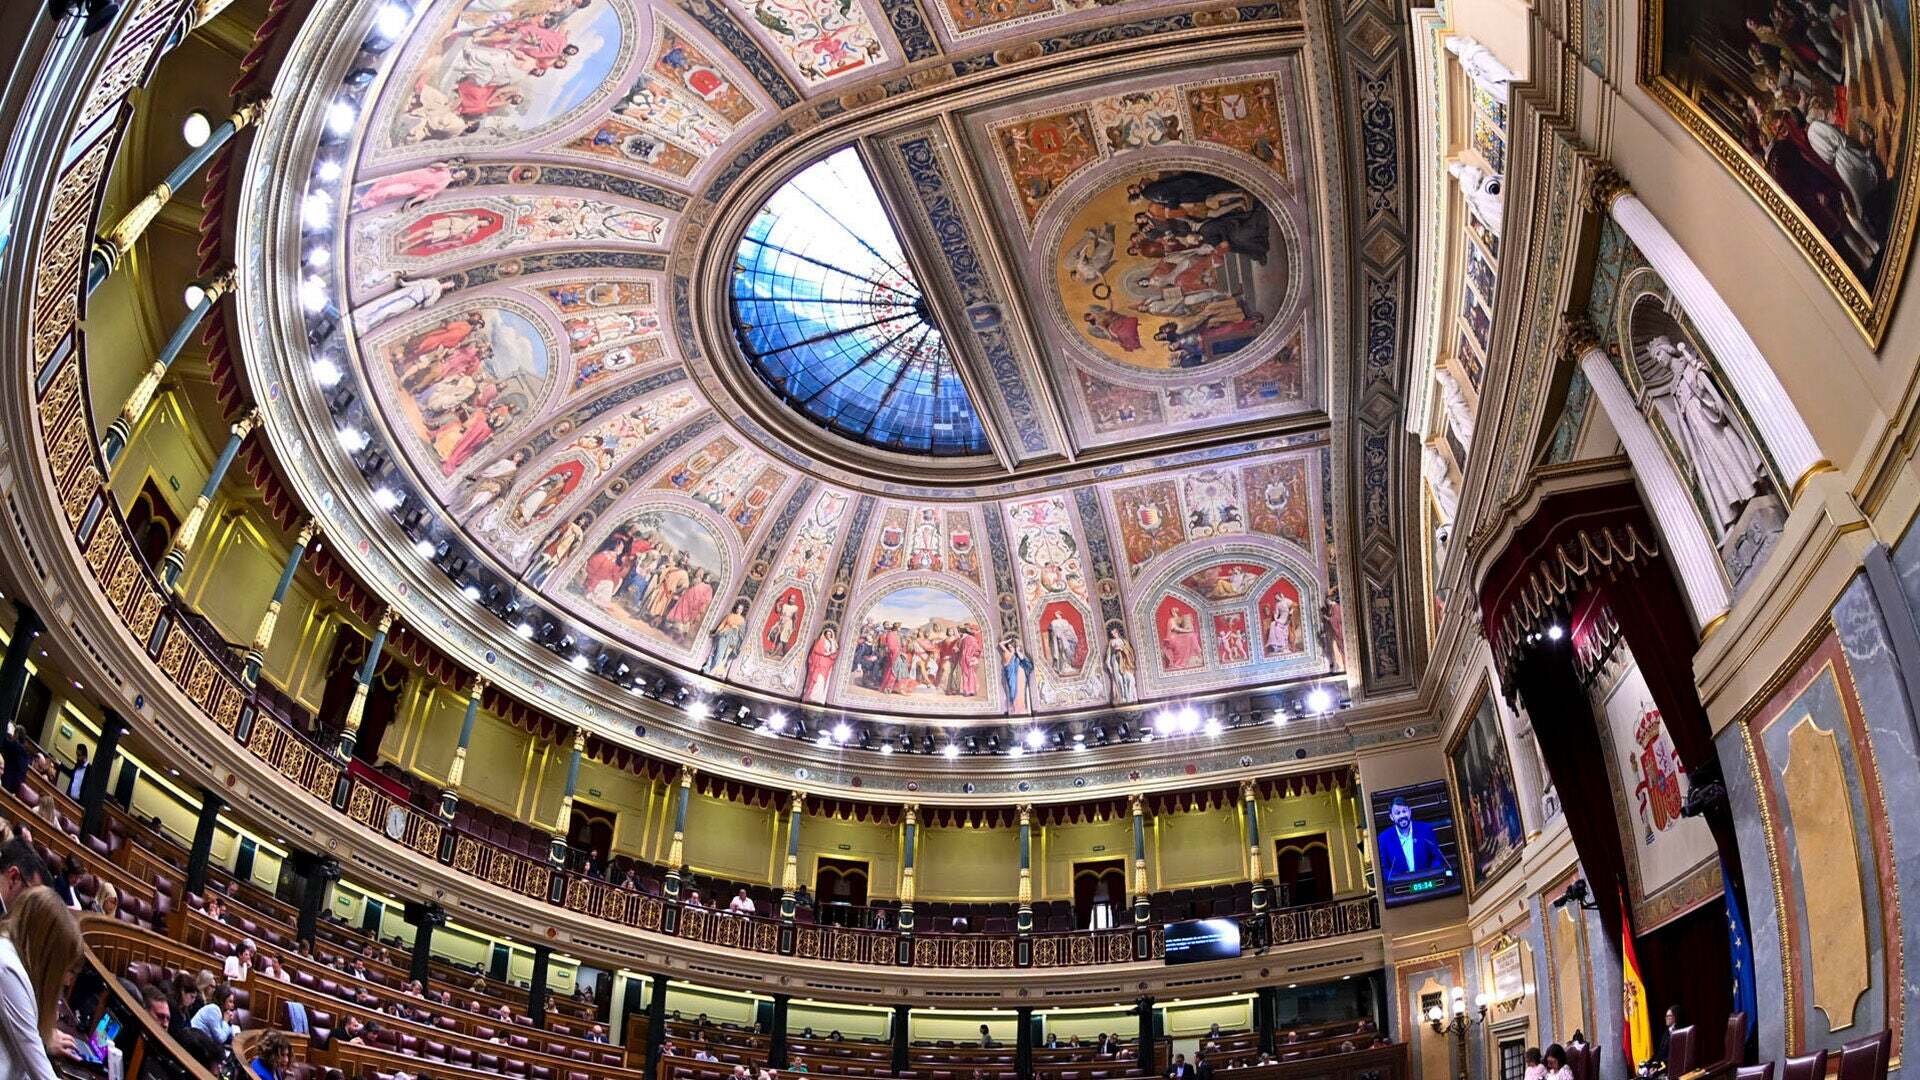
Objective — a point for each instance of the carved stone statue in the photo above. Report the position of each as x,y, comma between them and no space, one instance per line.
1433,466
1454,400
1481,66
1726,466
1482,192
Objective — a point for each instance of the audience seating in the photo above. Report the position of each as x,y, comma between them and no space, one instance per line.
1807,1067
1866,1058
1762,1071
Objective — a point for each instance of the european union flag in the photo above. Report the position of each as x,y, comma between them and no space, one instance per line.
1740,951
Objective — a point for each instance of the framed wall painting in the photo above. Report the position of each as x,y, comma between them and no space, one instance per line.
1488,805
1811,108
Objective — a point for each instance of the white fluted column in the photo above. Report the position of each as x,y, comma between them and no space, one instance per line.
1695,560
1747,371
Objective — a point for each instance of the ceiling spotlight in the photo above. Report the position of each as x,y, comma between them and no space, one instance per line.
1319,700
193,295
1189,720
777,723
699,710
824,741
1212,726
386,498
1554,633
1035,738
578,661
471,592
196,129
1078,745
340,117
525,630
886,748
313,295
391,22
327,373
423,548
951,750
1279,716
841,732
327,171
1016,750
316,209
354,440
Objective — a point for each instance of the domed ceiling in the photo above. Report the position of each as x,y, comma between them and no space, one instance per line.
924,358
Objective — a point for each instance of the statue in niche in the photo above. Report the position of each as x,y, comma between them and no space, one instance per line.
1727,468
1481,66
1433,466
1481,189
1454,400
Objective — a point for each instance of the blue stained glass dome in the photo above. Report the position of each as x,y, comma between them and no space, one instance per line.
828,314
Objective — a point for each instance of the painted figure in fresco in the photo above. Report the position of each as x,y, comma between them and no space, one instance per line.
1280,627
1123,684
1063,644
1016,670
820,664
1180,640
1727,469
413,187
406,297
565,539
1091,258
785,628
726,639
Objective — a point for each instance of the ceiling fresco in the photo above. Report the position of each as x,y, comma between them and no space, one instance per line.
1133,272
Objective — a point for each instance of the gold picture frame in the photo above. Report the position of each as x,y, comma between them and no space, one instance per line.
1868,298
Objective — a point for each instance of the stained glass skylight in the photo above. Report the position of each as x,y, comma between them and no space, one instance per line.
827,312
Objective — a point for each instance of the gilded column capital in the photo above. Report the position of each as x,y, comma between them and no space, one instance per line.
798,803
1578,336
911,814
477,687
1137,804
250,111
1248,790
385,625
579,740
1605,186
308,530
1026,814
244,426
217,286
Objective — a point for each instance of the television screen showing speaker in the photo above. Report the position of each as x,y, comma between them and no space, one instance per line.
1202,939
1418,852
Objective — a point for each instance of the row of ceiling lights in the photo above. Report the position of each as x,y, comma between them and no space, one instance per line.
393,495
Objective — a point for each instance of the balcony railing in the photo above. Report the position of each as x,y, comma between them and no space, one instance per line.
206,674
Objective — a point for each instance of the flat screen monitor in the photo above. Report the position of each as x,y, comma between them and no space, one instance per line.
1418,852
1202,939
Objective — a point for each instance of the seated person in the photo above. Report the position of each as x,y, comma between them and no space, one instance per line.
272,1056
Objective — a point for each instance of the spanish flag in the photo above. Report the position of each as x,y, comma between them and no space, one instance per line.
1636,1034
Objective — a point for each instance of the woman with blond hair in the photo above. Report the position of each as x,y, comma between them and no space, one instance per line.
107,902
39,946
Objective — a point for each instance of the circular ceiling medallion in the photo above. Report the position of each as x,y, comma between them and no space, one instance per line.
1172,269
